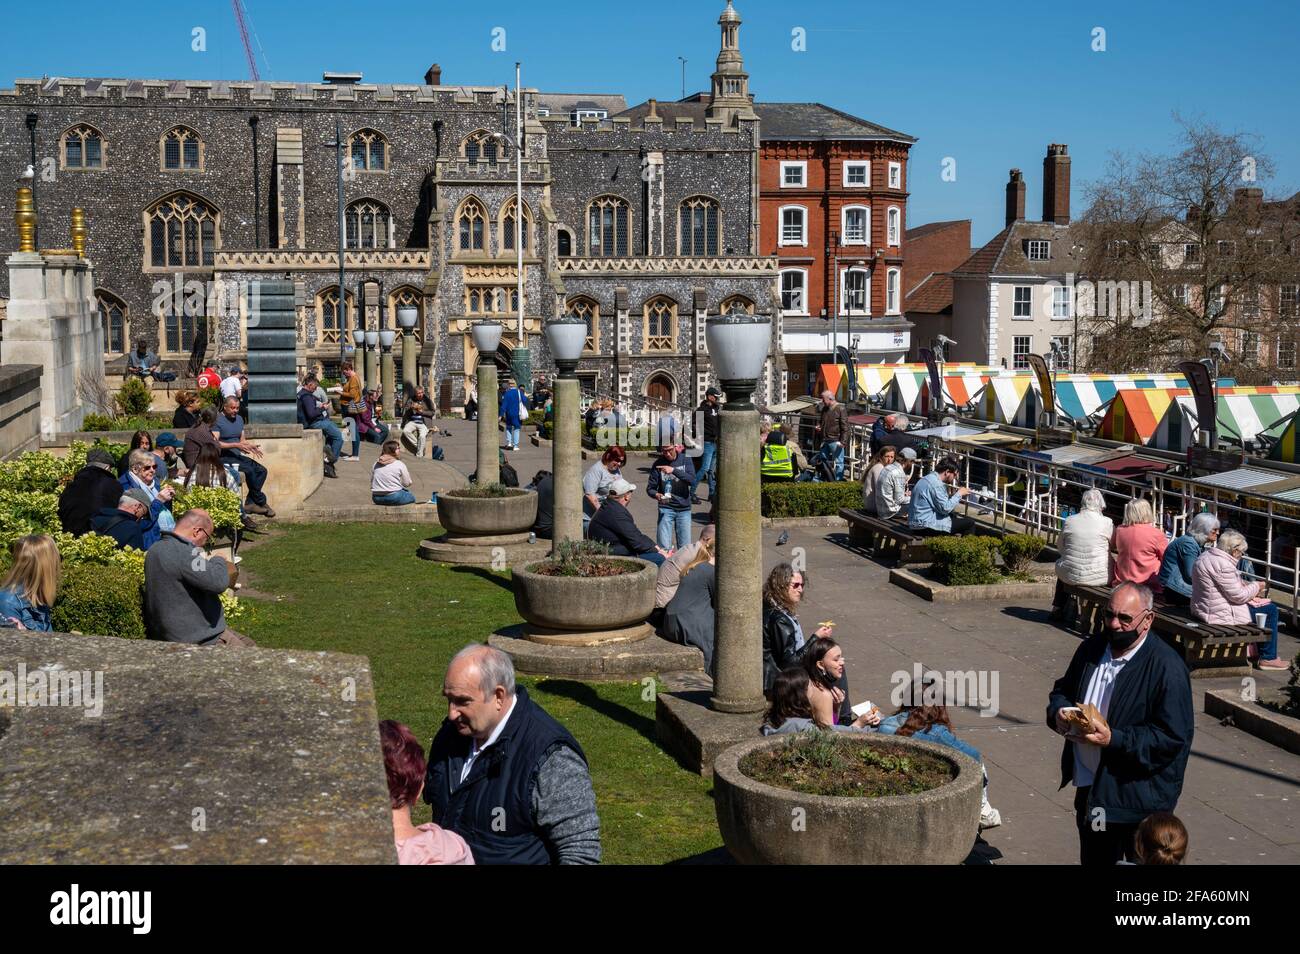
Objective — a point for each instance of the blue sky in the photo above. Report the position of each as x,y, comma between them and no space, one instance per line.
987,85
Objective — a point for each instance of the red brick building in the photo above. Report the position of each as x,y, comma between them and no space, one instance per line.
833,208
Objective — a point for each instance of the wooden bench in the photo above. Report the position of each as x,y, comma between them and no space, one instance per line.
886,537
1207,649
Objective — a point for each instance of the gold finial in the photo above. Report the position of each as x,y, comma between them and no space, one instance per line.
25,219
79,231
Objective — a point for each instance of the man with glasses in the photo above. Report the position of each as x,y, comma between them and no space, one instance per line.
1132,765
183,584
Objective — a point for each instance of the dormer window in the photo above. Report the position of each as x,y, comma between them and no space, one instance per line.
1038,250
578,115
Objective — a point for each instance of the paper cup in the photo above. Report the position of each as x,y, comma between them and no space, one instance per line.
1261,620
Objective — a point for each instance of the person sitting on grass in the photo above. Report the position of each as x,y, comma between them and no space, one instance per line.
791,711
389,479
404,763
28,590
931,723
613,524
688,617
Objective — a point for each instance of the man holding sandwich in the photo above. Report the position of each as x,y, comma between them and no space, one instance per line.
1125,707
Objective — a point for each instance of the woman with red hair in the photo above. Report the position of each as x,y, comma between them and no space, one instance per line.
426,844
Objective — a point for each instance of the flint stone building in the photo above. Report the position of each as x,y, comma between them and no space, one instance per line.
640,225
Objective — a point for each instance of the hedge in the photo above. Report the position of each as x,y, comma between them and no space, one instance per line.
143,422
809,499
964,560
99,600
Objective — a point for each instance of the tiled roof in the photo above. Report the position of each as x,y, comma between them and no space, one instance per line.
669,112
1005,253
818,121
929,227
559,103
932,296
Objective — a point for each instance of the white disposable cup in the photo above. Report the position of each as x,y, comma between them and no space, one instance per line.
1261,620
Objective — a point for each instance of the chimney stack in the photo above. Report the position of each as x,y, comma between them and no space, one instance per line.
1249,203
1015,197
434,76
1056,184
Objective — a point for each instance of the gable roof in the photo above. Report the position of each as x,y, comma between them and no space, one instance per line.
559,103
931,297
818,121
1005,253
931,227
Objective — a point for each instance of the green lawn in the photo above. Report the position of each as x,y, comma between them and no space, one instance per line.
360,588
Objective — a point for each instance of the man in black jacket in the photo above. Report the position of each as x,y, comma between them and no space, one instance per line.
94,488
127,521
613,524
504,775
706,418
1133,765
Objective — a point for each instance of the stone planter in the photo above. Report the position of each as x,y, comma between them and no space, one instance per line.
487,516
576,604
758,821
937,592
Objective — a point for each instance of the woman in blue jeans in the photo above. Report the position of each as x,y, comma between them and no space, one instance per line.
389,479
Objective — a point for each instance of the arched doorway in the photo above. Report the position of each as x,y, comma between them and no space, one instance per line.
660,388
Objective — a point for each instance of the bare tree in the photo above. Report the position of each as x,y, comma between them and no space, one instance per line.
1189,244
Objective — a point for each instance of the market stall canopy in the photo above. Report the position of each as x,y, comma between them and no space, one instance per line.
1124,466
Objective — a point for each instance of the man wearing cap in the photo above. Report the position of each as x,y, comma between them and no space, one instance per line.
891,492
613,524
128,522
706,422
670,482
93,488
168,447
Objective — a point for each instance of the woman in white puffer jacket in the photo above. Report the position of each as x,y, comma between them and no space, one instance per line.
1085,549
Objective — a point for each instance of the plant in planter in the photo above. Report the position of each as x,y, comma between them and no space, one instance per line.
133,398
487,510
1019,551
964,560
862,798
582,589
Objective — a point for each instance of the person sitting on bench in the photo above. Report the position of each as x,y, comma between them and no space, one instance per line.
891,491
934,498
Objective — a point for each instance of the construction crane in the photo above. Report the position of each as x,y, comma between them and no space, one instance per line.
243,36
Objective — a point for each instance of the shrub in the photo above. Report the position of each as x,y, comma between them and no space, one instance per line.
964,560
99,600
144,422
535,417
1019,550
221,504
487,490
809,499
587,558
117,450
547,430
211,397
24,513
134,397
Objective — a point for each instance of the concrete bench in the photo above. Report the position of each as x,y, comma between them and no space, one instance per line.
1208,649
886,537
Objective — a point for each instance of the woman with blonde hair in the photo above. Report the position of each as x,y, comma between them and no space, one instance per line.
28,590
1138,547
688,617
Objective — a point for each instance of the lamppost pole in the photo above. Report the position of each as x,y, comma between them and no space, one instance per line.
566,336
487,335
521,363
738,345
343,295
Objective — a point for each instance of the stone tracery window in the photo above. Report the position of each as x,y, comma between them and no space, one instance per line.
83,148
697,232
182,232
331,321
480,146
491,300
607,227
367,222
507,226
736,303
182,149
112,314
471,226
660,325
368,150
588,311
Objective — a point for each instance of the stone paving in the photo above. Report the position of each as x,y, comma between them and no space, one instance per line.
1241,800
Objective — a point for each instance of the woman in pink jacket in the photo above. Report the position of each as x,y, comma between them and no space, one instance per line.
1139,547
1221,596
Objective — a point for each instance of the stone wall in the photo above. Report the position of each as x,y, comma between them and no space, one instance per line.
52,322
20,409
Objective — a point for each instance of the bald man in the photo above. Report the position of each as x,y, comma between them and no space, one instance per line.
504,775
183,585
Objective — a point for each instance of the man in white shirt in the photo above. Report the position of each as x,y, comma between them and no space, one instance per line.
1133,764
231,385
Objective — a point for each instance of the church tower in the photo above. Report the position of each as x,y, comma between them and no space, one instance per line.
730,94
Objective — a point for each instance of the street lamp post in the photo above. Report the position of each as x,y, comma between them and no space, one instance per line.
487,335
372,359
407,316
386,338
520,359
342,318
359,354
565,337
738,345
